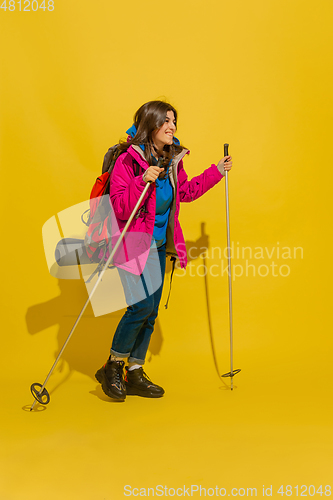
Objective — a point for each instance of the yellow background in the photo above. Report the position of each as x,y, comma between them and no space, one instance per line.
257,75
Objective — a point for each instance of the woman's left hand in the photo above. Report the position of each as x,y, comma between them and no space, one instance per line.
225,164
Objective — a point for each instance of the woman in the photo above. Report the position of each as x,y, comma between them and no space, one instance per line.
153,233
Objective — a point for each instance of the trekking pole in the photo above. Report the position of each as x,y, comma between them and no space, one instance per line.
232,371
42,395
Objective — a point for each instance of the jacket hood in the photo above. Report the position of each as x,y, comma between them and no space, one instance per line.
137,153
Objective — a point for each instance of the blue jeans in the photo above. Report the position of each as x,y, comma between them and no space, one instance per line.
143,295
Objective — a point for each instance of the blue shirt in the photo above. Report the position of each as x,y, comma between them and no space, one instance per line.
164,195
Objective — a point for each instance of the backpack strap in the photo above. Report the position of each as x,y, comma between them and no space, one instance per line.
108,164
110,158
137,167
173,260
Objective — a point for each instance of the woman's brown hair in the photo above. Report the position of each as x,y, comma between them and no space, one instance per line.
149,117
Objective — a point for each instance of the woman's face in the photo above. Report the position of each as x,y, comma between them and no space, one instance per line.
164,135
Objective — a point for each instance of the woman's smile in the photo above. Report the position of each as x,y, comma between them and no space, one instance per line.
164,135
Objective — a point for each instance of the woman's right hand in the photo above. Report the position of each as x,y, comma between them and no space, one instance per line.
152,173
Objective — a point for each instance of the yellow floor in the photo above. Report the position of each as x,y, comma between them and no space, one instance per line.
274,429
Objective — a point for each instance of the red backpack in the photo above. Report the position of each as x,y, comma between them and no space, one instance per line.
99,220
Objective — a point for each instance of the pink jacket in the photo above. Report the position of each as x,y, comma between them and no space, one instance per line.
125,192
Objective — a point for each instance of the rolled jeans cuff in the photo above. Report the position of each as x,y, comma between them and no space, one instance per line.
119,354
136,360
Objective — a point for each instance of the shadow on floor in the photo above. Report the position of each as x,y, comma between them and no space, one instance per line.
89,346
